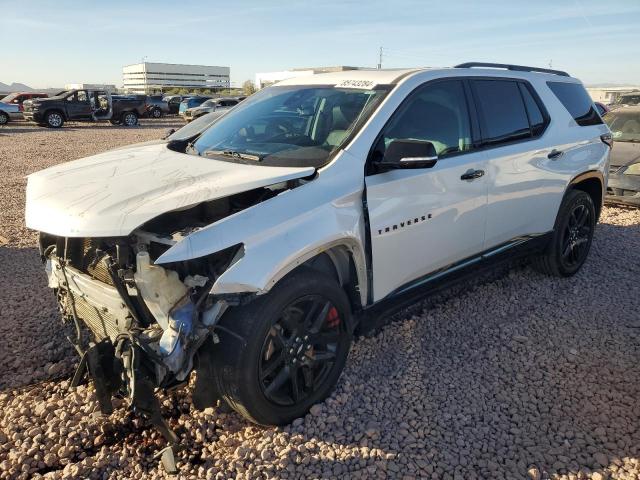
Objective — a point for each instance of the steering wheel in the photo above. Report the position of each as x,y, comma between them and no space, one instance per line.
277,129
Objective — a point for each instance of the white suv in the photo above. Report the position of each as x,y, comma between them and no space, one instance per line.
251,248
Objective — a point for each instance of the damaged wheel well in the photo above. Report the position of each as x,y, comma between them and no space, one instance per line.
338,262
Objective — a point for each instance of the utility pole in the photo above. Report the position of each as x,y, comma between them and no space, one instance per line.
380,59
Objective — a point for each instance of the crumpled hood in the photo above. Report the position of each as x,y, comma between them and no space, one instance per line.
113,193
625,153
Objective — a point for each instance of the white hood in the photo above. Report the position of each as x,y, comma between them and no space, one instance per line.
115,192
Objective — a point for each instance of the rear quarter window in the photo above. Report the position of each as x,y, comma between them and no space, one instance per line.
577,102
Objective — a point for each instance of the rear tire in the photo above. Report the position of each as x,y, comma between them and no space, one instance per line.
54,119
572,236
129,119
296,342
4,118
156,113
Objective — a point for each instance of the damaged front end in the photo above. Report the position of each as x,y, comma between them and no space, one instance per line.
138,325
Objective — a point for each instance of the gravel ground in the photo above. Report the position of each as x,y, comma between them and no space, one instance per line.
516,376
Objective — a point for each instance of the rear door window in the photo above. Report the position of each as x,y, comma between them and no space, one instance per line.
577,102
503,116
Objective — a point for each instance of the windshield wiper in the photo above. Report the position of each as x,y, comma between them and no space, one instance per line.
232,153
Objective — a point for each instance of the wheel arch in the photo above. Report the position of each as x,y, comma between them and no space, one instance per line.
342,259
592,183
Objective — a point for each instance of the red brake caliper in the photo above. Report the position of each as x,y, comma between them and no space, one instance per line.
333,318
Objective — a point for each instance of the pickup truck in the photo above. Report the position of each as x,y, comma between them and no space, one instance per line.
84,106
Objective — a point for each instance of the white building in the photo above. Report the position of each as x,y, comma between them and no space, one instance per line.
265,79
150,77
610,94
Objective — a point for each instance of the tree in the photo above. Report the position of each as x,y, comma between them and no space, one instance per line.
248,88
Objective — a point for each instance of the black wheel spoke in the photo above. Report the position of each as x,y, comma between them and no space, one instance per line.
278,337
289,322
317,316
309,377
279,380
296,393
582,216
272,365
567,249
323,356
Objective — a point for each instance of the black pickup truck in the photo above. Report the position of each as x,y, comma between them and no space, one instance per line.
84,106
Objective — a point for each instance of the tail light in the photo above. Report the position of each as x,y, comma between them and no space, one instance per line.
607,139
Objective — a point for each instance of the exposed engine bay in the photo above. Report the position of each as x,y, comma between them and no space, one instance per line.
139,326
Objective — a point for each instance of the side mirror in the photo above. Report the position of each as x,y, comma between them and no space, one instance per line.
409,154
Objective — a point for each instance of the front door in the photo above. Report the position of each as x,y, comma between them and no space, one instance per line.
78,105
427,219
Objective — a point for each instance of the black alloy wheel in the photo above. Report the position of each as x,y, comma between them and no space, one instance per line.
300,350
571,238
284,351
576,236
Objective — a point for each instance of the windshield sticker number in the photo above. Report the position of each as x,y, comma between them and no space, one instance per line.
364,84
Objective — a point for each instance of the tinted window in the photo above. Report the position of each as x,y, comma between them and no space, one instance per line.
577,101
436,113
502,113
536,117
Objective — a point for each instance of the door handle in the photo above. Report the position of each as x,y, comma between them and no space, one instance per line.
471,174
555,154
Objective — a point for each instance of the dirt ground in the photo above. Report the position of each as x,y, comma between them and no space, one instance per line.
519,376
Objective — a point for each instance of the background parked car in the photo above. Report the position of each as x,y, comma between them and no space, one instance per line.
9,111
19,97
624,170
156,106
211,105
191,102
173,101
631,98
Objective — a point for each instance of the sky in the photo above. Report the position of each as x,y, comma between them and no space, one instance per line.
50,43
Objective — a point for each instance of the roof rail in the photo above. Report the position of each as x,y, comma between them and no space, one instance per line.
519,68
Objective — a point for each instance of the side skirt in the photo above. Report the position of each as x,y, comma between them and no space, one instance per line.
373,316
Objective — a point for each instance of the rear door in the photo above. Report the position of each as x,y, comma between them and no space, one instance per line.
513,121
423,220
532,156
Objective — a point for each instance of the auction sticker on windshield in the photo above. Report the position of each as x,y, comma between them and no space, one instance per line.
364,84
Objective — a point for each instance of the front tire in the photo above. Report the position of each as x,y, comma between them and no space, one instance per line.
129,119
4,118
572,236
296,342
156,113
54,119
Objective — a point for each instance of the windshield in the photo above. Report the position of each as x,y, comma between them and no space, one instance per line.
209,103
625,126
10,97
295,126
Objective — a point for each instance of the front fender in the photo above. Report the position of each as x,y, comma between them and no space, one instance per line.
283,232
